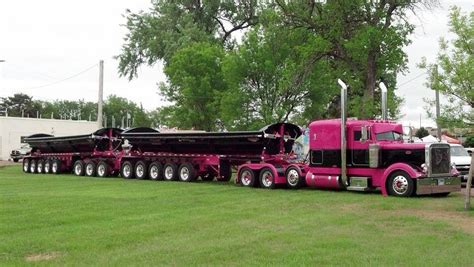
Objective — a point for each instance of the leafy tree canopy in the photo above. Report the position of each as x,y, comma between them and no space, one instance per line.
452,72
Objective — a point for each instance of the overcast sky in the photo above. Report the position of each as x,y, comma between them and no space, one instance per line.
46,42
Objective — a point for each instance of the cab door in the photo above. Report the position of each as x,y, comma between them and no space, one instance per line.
359,148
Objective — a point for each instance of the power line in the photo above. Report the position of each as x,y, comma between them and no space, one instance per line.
60,81
412,79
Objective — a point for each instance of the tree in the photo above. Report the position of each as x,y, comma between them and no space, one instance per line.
422,132
18,105
168,26
452,73
195,85
120,112
365,39
469,142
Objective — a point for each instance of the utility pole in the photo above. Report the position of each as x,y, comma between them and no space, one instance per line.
435,83
101,93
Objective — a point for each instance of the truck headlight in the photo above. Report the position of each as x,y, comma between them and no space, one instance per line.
424,167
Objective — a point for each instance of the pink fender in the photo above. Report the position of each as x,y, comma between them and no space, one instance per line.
397,167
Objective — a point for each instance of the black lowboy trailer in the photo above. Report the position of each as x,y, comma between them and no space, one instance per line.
145,153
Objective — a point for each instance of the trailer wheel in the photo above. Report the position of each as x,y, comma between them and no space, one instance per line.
33,166
47,166
247,177
26,165
267,178
155,171
207,177
140,170
225,172
78,168
40,166
293,178
186,172
400,184
170,172
56,166
90,169
102,169
126,170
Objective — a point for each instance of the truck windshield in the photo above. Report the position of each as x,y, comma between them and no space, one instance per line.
389,136
459,151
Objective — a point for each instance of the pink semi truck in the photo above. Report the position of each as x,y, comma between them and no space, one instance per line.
344,154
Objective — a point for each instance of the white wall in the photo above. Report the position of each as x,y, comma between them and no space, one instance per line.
12,128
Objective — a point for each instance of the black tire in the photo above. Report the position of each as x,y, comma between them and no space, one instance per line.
40,166
47,166
102,169
293,178
56,166
225,172
186,172
126,170
78,168
170,172
155,171
33,166
140,170
207,177
247,177
90,168
26,165
16,160
267,178
400,184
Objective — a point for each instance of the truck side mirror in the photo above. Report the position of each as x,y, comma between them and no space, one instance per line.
364,134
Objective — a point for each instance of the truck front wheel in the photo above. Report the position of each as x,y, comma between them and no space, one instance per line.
400,184
293,178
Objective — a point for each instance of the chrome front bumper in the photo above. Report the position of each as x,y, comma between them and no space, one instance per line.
432,185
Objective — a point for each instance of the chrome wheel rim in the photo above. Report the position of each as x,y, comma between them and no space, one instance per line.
126,171
54,167
46,167
25,166
32,166
89,169
267,179
169,173
400,184
246,178
154,172
140,171
39,168
101,170
78,169
293,177
184,174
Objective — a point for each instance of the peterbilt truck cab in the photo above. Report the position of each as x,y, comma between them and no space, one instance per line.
377,157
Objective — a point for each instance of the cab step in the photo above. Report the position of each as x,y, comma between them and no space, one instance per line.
359,184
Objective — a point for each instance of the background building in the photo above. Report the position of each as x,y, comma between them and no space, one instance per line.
12,129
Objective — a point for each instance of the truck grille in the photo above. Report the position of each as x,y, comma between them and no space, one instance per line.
439,159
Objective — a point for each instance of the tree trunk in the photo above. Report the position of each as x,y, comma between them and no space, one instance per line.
369,85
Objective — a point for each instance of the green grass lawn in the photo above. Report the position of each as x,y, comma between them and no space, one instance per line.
65,219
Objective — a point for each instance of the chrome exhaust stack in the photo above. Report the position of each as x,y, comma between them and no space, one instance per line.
343,132
383,88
